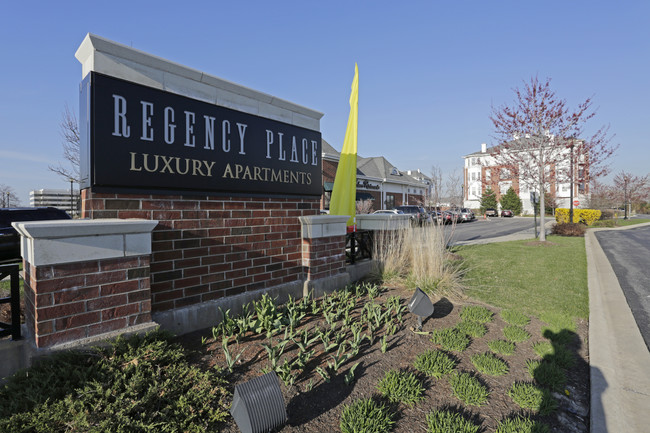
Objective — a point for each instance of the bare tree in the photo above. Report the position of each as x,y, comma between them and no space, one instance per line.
364,206
601,196
539,136
454,188
70,142
436,186
630,189
8,197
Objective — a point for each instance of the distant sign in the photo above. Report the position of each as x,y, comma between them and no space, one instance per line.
149,140
576,203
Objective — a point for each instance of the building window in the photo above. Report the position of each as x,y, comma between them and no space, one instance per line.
390,201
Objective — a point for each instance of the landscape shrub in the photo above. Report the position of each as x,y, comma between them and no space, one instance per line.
136,384
366,416
568,229
443,421
401,386
434,363
606,214
585,216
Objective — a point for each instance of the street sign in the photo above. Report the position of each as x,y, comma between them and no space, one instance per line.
576,203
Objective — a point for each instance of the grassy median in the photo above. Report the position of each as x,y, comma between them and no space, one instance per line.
532,277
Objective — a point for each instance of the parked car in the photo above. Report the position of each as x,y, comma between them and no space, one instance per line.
507,213
449,216
389,211
9,237
417,213
466,215
491,212
436,217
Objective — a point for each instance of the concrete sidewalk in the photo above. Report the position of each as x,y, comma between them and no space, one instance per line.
618,357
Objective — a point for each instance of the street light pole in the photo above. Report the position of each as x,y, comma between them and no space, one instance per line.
71,198
571,185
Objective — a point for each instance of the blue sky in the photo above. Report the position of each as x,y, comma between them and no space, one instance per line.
429,71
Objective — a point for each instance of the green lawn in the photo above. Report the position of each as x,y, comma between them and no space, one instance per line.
622,222
528,277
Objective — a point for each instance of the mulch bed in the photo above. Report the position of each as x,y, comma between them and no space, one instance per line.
315,406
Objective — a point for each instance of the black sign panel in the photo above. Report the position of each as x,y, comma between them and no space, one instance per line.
146,139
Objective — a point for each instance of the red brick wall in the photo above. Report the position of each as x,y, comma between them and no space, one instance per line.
205,248
78,300
320,257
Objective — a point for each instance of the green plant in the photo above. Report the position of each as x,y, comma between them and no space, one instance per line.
366,416
339,359
274,351
323,373
513,317
543,349
139,383
547,374
488,199
230,361
446,421
476,313
434,363
286,374
510,200
502,347
468,389
515,334
384,344
450,339
348,378
487,363
520,424
472,329
529,396
401,386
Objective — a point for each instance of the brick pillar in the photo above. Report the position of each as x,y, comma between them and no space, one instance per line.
85,278
323,252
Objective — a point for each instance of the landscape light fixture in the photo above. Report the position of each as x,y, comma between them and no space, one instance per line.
258,405
421,306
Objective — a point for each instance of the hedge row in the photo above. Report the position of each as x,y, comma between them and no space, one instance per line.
585,216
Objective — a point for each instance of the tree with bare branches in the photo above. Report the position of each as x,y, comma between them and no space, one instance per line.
69,128
436,187
630,189
540,138
8,197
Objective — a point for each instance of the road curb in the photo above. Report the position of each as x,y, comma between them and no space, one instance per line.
618,357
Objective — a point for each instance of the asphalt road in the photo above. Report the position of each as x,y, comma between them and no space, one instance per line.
628,251
481,229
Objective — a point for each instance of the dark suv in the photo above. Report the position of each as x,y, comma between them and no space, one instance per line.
418,215
9,237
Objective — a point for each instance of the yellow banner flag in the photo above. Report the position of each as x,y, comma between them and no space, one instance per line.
344,192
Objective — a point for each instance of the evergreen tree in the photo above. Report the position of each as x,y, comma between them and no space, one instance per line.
488,200
511,201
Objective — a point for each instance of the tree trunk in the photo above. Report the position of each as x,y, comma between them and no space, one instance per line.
542,205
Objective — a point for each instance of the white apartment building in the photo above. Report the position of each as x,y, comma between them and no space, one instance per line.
59,198
482,171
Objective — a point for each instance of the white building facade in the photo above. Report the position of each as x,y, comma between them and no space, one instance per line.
66,200
481,171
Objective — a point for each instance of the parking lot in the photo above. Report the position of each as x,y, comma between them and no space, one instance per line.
482,229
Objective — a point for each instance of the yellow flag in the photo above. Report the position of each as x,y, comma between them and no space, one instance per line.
344,192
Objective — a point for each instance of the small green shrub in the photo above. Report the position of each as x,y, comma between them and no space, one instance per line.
555,353
515,334
489,364
547,374
472,329
543,349
139,383
445,421
529,396
450,339
604,223
434,363
468,389
401,387
568,229
522,425
512,317
366,416
502,347
476,313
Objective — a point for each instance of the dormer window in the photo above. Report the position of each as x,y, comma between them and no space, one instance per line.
394,171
